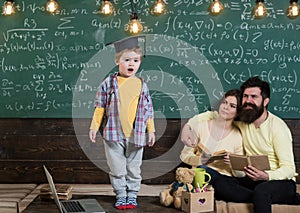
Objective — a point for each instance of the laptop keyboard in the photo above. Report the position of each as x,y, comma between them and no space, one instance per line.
73,206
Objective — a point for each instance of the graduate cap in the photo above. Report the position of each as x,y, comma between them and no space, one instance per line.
128,43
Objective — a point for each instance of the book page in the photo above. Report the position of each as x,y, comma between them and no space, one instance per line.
221,152
219,155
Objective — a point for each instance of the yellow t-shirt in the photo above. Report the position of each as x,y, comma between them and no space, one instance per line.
129,93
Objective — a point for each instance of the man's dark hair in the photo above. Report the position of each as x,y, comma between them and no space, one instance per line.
257,82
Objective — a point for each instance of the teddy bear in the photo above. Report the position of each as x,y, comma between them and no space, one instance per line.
184,178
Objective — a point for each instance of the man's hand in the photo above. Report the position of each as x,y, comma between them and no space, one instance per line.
256,174
187,136
151,139
92,135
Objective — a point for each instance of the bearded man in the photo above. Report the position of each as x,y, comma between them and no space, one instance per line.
263,133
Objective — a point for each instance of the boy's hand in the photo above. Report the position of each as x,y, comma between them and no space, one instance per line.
151,139
92,135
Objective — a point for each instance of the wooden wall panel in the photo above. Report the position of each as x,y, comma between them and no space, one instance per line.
63,145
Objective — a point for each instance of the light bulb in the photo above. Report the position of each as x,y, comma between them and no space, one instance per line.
293,10
107,8
135,27
158,8
52,6
8,8
259,10
216,7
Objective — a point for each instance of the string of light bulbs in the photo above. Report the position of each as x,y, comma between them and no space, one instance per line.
159,7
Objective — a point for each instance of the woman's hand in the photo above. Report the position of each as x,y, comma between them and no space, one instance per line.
187,136
226,158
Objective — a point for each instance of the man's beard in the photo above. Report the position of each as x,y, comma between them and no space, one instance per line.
250,115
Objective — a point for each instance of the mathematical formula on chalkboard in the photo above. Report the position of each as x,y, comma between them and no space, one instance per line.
51,65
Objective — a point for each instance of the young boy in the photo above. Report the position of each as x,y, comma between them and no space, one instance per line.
125,101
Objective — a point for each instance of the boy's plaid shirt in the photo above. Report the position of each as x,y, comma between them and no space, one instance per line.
108,97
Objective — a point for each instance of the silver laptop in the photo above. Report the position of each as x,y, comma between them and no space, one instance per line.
71,206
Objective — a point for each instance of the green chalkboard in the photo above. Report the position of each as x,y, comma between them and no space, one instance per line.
51,65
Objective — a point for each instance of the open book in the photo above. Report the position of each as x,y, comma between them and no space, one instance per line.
219,155
238,162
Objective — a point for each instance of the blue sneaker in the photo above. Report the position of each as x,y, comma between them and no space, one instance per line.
121,203
131,203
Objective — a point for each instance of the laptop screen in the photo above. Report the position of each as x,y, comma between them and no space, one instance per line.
53,189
